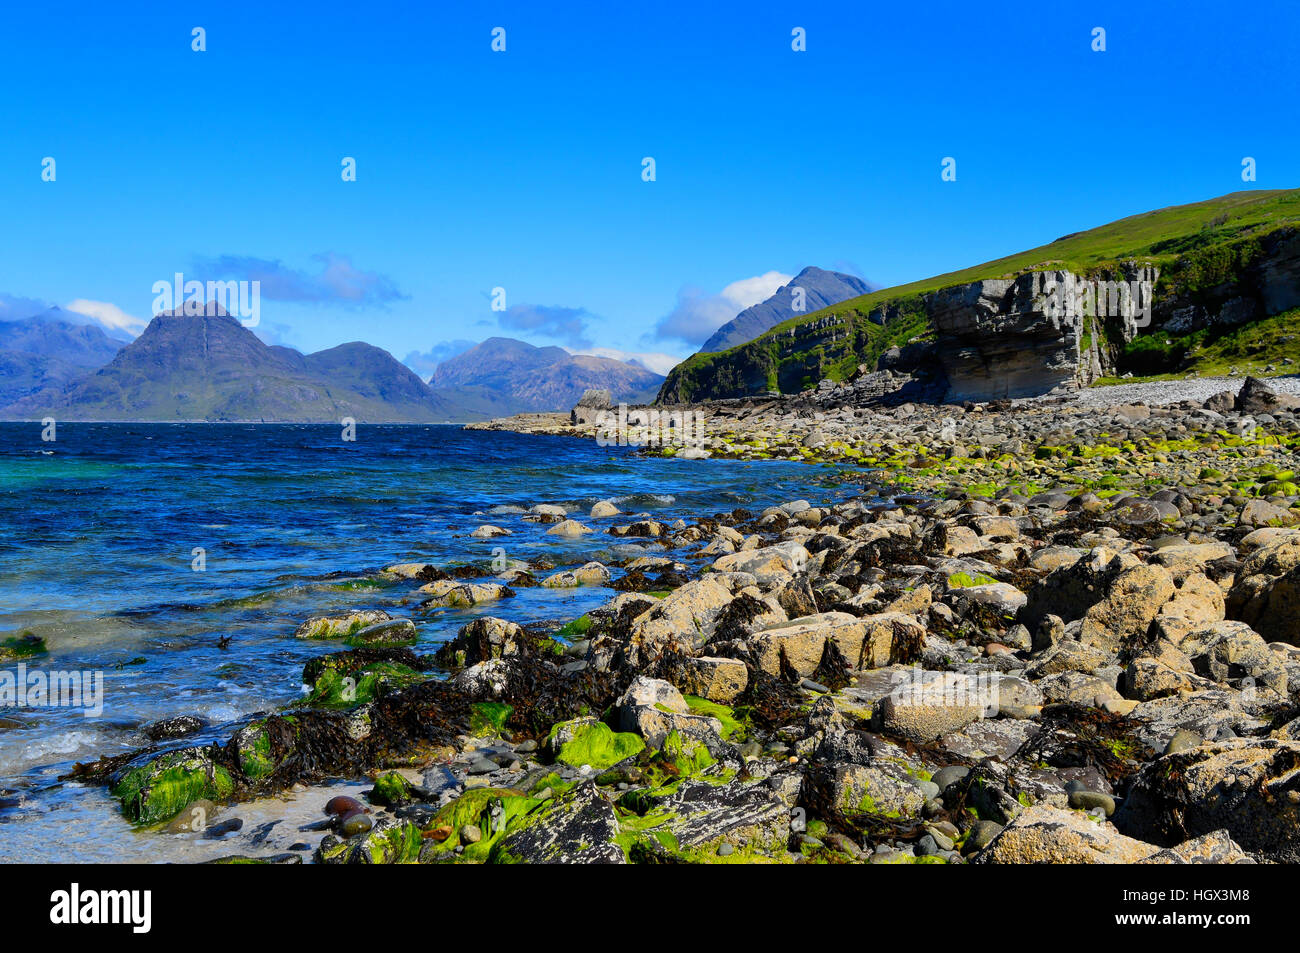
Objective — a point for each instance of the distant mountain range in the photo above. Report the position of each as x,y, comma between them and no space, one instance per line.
504,376
46,352
821,289
212,368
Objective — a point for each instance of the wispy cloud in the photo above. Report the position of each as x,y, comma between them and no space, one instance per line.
698,314
655,361
338,281
558,323
107,314
427,362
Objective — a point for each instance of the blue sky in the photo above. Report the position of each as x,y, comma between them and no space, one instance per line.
522,169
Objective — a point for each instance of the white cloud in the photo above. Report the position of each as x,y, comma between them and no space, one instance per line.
107,314
748,292
651,360
698,314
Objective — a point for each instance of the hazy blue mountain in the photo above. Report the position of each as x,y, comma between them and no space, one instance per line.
502,376
821,289
210,367
46,352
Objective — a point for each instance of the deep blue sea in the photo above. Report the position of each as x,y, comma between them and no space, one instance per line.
98,531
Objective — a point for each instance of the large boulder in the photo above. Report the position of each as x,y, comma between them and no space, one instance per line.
1256,397
768,565
865,642
928,705
588,409
1049,835
721,680
487,637
342,625
654,709
1248,787
683,619
459,595
1269,603
1116,597
702,815
1233,653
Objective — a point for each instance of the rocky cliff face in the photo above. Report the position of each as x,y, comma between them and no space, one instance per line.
1023,336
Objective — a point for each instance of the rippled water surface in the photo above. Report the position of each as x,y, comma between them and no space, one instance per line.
98,533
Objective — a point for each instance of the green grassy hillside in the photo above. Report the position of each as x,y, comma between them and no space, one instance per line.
1196,247
1263,348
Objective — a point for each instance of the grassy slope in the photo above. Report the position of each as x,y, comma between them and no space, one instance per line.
1160,237
1214,352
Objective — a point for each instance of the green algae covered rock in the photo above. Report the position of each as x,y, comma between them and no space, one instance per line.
493,811
154,788
591,742
390,841
343,680
578,828
21,646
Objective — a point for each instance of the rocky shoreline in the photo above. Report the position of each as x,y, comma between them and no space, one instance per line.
1040,632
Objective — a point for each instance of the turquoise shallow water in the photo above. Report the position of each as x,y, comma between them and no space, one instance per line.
98,531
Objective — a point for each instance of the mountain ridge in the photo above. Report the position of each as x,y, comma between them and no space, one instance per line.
821,289
502,376
210,367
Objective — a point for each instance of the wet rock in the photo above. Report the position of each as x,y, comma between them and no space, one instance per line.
342,804
590,574
587,741
578,828
193,818
487,637
354,822
177,727
388,841
340,626
394,632
1092,800
452,594
570,529
155,787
